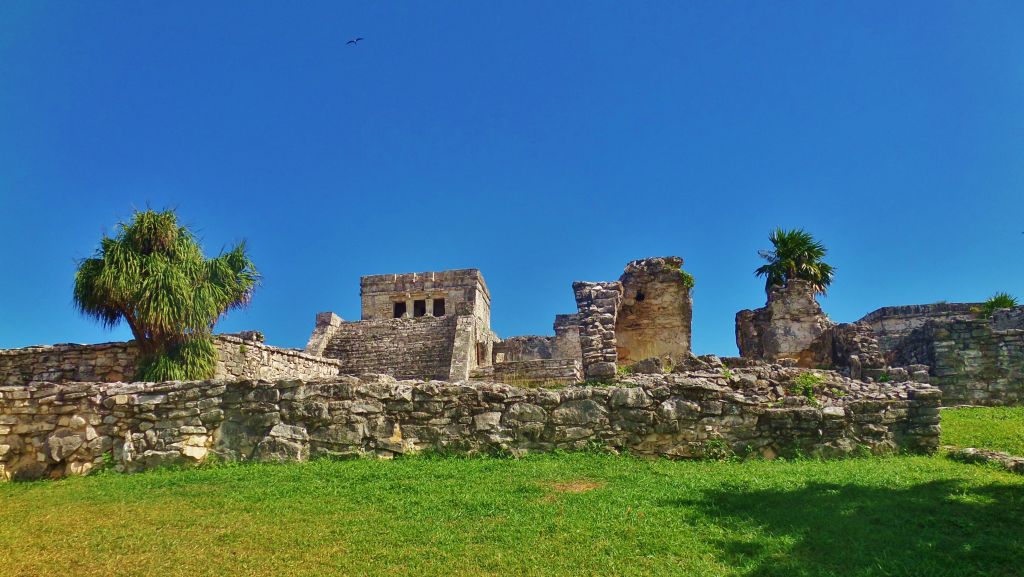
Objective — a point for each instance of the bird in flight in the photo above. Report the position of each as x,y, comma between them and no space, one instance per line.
353,42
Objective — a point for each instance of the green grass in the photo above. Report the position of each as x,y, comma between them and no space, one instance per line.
993,428
561,514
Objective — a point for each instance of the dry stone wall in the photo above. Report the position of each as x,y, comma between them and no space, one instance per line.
532,372
565,344
51,430
112,362
892,324
524,348
246,359
970,359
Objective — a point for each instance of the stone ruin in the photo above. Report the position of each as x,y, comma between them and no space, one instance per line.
972,360
436,325
423,369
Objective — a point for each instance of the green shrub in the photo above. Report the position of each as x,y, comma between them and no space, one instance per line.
804,385
688,281
997,301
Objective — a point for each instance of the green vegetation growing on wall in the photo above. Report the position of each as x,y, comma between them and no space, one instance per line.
153,276
688,281
997,301
805,384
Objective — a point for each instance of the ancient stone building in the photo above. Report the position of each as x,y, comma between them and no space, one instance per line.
421,369
647,313
430,325
972,360
892,324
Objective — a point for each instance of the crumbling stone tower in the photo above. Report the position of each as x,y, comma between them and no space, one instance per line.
656,311
647,313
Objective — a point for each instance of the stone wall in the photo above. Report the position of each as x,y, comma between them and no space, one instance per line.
598,305
567,337
565,344
1005,319
970,359
404,348
109,362
853,346
246,359
59,429
785,327
524,348
655,313
464,291
534,372
892,324
113,362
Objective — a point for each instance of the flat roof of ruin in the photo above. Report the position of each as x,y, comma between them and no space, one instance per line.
453,277
918,310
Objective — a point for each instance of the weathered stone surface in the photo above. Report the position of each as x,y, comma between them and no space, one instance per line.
655,312
974,361
652,365
891,325
113,362
1010,462
785,327
531,372
673,415
597,304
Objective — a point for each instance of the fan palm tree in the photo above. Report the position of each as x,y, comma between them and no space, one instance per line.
795,255
154,277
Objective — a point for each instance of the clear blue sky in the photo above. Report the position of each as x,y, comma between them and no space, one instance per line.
540,142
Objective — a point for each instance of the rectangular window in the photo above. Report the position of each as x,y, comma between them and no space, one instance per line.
438,307
419,308
399,310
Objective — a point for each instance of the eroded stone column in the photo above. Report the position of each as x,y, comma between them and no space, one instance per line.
598,304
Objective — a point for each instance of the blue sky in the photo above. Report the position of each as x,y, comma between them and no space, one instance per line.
540,142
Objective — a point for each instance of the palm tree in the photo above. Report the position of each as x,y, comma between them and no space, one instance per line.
153,276
796,255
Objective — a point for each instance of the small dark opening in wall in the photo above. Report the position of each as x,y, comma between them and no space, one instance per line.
399,310
438,307
640,296
419,308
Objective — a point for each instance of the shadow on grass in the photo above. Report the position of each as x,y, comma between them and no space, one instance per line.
936,528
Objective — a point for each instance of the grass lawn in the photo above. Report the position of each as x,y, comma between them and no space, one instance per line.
993,428
563,514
